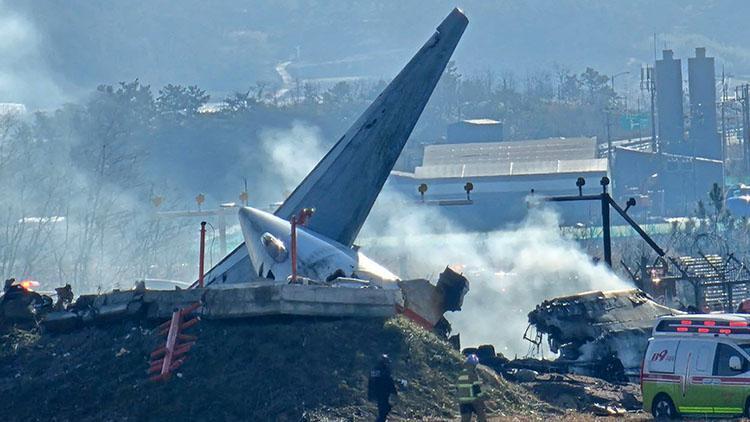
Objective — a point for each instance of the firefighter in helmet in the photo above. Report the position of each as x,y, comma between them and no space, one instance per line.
470,395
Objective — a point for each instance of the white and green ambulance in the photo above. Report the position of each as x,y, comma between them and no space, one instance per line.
698,365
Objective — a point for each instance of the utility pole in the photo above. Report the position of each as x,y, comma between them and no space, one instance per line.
746,124
723,128
742,93
609,139
609,111
648,83
638,113
612,79
202,257
606,237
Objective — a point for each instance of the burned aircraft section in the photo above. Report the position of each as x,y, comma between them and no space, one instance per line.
598,332
605,333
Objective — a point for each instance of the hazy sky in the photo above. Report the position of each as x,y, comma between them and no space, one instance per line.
52,50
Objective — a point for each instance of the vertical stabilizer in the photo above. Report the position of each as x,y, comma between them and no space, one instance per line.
345,183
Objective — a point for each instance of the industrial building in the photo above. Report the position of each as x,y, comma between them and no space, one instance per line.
503,175
668,184
668,176
683,168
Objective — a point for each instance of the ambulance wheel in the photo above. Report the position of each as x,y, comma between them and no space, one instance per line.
663,408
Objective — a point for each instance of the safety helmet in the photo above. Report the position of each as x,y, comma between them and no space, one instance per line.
384,359
472,360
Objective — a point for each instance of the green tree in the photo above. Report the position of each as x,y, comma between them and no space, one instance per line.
597,87
568,86
239,102
180,99
340,93
116,112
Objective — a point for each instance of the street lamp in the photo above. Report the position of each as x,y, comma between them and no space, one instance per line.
612,78
608,110
581,182
604,182
422,189
630,203
468,187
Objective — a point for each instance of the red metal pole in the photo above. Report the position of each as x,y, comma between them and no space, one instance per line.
294,248
202,253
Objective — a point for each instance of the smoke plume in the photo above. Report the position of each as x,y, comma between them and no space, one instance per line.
293,152
24,77
510,270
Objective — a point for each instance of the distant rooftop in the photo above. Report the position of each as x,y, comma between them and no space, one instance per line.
510,158
480,121
502,153
489,169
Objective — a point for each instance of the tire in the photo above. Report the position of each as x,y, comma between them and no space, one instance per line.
747,408
663,408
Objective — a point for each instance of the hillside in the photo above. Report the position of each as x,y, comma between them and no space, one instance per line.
70,46
275,369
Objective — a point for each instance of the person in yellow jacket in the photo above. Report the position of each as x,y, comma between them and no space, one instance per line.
470,396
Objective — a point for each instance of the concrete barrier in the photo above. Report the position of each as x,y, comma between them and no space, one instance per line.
245,300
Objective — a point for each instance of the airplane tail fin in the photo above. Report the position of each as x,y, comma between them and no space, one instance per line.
344,185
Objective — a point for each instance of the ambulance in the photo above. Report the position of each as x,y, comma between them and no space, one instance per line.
698,365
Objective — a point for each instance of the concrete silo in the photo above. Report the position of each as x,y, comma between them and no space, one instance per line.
669,104
704,137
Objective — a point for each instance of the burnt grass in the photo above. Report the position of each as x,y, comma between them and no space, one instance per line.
276,369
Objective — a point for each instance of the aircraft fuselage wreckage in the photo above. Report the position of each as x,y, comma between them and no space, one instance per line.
342,189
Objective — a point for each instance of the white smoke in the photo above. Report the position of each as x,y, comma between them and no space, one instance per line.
293,153
24,77
510,270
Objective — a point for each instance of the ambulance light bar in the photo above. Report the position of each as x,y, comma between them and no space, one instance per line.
703,327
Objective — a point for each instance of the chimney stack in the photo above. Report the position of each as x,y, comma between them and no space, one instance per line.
669,104
704,136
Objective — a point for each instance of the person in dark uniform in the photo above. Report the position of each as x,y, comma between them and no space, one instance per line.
8,285
380,386
12,290
64,297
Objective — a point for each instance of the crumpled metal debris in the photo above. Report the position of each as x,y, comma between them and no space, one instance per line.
599,333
